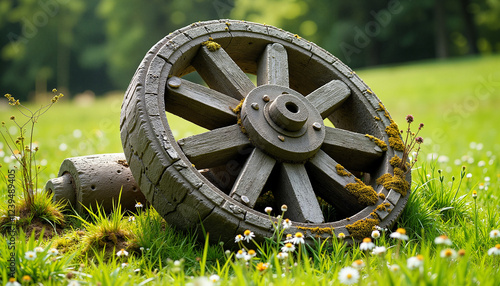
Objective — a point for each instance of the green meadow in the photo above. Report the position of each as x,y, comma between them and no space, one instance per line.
458,100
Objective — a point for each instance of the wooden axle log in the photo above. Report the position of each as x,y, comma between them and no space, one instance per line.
96,179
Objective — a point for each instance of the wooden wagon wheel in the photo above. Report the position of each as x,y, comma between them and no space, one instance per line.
267,143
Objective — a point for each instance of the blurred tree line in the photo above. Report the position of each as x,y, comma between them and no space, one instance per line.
78,45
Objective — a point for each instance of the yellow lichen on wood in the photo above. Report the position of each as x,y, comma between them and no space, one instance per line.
377,142
381,195
211,45
341,171
394,139
237,109
381,107
376,118
398,162
382,207
396,182
318,230
395,161
362,228
366,195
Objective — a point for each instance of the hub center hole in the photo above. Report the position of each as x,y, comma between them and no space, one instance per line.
292,107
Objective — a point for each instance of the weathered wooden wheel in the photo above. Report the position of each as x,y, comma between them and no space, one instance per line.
267,144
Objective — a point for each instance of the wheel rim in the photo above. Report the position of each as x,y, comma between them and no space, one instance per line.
265,137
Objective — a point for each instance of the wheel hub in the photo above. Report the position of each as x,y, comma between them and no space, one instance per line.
282,123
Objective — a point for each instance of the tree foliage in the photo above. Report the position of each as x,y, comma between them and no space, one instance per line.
89,44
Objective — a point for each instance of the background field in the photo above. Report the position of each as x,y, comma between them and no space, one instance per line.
457,100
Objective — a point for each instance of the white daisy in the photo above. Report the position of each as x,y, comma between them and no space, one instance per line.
400,234
38,249
415,262
53,252
288,247
287,223
122,252
214,278
282,255
442,239
394,267
299,238
358,264
268,210
241,254
30,255
494,250
348,276
494,234
238,238
249,235
367,244
375,234
379,250
251,254
13,282
448,253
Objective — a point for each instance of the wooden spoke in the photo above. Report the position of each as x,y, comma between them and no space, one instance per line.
273,66
221,73
295,190
215,147
252,178
329,96
353,150
330,185
201,105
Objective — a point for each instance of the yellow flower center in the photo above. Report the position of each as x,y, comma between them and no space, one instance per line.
247,232
251,252
448,252
26,278
299,234
497,246
420,257
401,231
367,239
290,245
349,275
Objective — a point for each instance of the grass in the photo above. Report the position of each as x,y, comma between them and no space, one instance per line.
457,100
